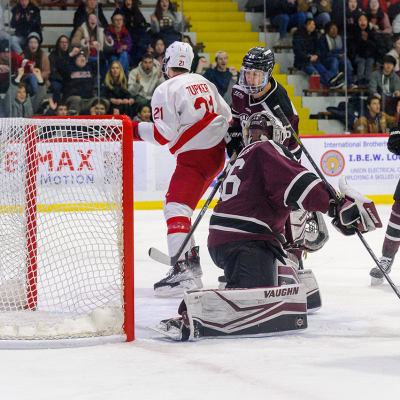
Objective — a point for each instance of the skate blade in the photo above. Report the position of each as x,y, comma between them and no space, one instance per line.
173,333
376,281
178,290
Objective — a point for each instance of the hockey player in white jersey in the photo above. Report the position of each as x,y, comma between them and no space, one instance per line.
191,118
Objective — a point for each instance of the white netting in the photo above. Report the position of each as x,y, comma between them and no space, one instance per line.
77,188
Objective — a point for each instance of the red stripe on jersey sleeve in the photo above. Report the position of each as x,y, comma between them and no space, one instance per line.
159,138
191,132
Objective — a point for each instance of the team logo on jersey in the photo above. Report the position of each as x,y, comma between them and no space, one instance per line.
238,94
332,163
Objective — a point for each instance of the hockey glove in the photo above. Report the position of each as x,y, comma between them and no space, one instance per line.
135,127
393,143
234,141
345,217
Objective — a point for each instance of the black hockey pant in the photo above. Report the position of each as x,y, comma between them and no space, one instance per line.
247,264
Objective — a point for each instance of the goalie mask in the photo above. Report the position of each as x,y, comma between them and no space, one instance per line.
256,70
262,127
177,55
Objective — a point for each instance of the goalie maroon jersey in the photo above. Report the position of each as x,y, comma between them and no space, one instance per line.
243,106
260,190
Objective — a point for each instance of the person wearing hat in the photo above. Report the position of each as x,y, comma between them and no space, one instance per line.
122,41
221,76
385,84
34,53
16,63
25,19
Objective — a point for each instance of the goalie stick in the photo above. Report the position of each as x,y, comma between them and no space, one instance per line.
334,195
163,258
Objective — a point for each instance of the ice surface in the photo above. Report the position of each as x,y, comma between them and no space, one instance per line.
351,349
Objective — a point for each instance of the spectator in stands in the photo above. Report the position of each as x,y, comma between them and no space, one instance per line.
99,107
79,83
58,57
284,14
158,47
122,41
385,85
395,52
365,50
137,27
16,63
379,22
34,53
25,19
306,56
84,10
318,10
22,104
373,120
58,109
198,63
13,40
353,11
222,77
394,16
382,3
331,51
144,79
144,114
164,22
86,37
116,90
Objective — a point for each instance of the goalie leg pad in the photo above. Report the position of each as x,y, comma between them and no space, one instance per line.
246,312
314,302
287,274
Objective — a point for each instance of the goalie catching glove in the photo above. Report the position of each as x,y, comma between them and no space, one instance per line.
355,212
393,143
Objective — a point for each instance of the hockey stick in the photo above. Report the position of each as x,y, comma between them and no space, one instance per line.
163,258
334,195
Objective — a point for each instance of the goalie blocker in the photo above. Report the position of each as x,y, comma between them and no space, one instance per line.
238,313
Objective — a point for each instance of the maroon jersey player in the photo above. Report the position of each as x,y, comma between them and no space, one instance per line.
258,91
263,185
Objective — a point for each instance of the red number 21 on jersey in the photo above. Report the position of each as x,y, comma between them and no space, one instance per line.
156,112
207,104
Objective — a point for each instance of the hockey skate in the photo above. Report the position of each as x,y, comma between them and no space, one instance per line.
194,265
377,276
178,280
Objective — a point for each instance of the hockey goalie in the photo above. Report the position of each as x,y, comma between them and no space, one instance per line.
246,239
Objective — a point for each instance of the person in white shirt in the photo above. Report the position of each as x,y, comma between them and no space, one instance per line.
191,118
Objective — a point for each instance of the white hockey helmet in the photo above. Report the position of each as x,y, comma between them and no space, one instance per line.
264,126
178,55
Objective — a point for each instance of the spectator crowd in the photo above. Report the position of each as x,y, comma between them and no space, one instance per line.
359,37
107,67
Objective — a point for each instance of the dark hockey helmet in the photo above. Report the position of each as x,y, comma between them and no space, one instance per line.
256,69
264,126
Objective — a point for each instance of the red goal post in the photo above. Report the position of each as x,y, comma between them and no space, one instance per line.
66,231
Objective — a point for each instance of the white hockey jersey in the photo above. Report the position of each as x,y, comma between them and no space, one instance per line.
188,114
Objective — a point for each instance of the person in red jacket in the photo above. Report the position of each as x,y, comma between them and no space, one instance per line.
16,63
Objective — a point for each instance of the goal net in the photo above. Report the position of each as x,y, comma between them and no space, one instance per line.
66,231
